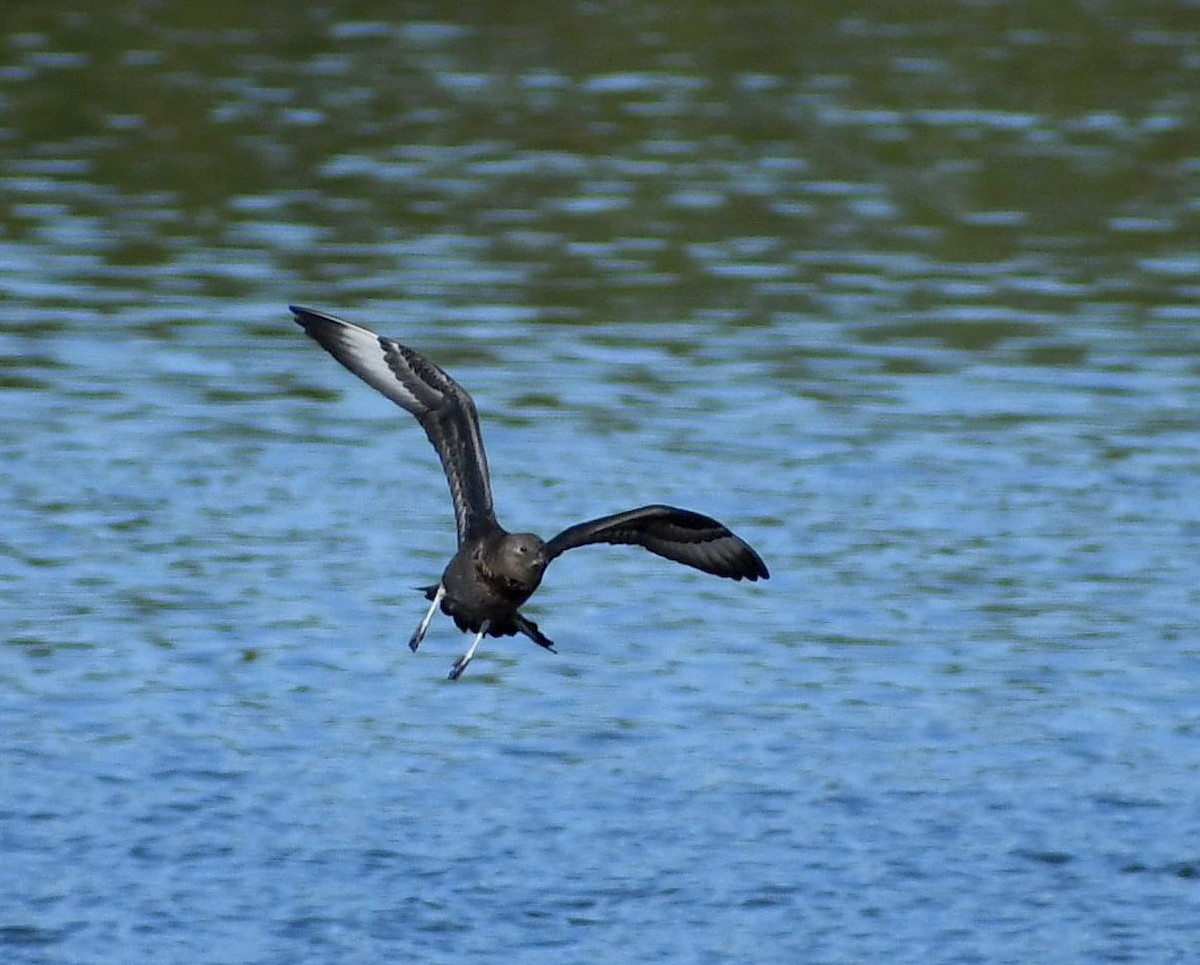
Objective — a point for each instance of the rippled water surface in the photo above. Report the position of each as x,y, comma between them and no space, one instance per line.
911,303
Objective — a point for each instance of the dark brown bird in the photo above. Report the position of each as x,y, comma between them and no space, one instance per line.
495,571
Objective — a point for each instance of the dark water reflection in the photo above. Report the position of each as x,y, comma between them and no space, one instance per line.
909,300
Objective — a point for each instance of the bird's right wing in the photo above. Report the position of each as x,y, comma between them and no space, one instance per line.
441,405
676,534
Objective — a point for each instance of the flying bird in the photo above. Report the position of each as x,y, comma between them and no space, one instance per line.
494,571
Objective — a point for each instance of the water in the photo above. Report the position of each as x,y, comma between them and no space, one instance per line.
909,302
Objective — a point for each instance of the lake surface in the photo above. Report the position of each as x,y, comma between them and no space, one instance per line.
912,303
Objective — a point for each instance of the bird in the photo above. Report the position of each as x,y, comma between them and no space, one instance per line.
493,572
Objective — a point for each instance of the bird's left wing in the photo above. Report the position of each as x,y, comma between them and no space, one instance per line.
676,534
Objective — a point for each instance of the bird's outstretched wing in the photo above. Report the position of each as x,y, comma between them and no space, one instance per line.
677,534
441,405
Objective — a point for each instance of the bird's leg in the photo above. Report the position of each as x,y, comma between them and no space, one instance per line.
461,663
419,633
530,629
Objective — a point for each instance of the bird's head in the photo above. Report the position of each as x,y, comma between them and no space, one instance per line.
522,559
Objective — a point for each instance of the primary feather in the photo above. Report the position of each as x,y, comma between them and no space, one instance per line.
442,406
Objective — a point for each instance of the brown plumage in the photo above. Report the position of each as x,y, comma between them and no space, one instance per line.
495,571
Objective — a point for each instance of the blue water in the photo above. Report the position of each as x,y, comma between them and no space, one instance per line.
914,318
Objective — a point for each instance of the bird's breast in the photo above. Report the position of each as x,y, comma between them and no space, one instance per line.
474,594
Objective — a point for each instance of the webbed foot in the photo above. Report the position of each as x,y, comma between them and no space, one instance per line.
435,594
